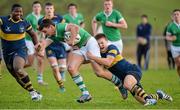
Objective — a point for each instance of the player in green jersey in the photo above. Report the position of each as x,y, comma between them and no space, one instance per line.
173,35
111,20
73,16
78,56
33,18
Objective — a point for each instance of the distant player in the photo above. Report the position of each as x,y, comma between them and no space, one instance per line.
12,33
173,35
78,56
111,20
129,73
33,18
55,52
73,16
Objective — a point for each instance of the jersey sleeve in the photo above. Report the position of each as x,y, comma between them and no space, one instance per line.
28,26
1,22
168,30
112,51
119,16
97,17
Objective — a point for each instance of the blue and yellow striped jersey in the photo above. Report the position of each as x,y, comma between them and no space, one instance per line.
13,30
12,33
112,50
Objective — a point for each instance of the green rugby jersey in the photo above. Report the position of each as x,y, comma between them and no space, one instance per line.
60,30
77,20
33,20
112,33
174,30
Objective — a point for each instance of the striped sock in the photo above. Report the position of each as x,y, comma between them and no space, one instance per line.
154,96
79,82
40,78
60,83
116,81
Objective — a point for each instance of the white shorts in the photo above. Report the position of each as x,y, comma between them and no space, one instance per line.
91,46
118,44
175,50
30,47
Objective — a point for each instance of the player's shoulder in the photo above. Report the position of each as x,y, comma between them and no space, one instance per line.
112,47
116,11
4,17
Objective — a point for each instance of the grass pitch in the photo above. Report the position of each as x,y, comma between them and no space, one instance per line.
104,95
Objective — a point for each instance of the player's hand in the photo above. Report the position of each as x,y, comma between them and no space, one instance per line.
38,47
108,23
70,42
40,53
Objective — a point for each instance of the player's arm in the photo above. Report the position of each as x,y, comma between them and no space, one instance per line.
94,26
103,61
121,24
74,29
33,36
170,37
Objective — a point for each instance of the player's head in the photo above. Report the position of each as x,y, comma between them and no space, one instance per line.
49,9
36,6
176,15
102,41
47,27
108,5
144,18
72,8
16,12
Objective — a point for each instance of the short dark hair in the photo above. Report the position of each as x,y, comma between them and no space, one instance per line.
72,4
100,35
144,16
15,6
176,10
49,4
36,2
45,23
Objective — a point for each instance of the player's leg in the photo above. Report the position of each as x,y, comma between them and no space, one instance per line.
0,63
131,84
30,51
40,70
74,62
177,61
146,58
54,65
23,78
139,55
61,55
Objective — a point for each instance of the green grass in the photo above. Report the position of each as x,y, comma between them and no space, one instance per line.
103,92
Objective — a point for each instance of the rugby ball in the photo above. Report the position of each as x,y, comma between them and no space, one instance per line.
67,36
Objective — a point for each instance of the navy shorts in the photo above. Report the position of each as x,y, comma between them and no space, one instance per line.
124,68
56,50
9,57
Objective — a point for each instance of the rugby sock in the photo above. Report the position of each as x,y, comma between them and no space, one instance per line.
138,91
62,73
26,83
155,96
116,81
40,77
79,82
60,83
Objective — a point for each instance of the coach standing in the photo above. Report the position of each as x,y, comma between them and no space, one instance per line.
143,33
111,20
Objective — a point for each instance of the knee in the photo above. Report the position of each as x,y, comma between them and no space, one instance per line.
62,67
127,86
19,71
71,69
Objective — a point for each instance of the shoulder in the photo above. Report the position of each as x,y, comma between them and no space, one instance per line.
116,11
112,47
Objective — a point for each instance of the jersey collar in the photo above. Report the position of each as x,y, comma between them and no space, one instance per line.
37,16
178,25
10,19
107,15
